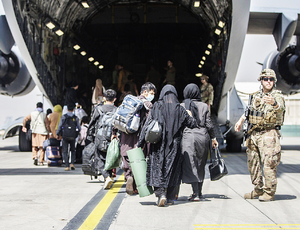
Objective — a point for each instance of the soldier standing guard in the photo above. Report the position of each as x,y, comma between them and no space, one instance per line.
267,109
207,91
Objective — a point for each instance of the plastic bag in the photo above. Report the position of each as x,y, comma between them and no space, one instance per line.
80,113
113,156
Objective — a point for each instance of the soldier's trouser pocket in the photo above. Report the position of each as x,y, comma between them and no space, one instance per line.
272,148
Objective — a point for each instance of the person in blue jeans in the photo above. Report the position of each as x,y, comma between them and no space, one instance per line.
68,140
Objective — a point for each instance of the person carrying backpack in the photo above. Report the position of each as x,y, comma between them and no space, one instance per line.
100,132
129,141
68,128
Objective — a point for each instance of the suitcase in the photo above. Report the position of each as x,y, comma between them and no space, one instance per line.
52,152
54,162
51,142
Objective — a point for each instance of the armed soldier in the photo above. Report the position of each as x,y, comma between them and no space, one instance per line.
263,145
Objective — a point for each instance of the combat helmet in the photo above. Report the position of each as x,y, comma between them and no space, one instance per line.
267,73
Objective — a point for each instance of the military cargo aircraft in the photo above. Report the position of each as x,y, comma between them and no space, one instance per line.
76,40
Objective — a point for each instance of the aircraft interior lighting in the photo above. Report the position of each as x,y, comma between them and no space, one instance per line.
50,25
59,32
217,31
85,4
76,47
196,3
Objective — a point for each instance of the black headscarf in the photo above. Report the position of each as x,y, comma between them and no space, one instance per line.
168,106
192,93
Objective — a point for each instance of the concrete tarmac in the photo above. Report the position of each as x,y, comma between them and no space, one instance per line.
41,197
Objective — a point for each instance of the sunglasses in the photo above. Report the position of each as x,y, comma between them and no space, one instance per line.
268,79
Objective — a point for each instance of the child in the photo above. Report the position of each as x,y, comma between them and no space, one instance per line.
81,140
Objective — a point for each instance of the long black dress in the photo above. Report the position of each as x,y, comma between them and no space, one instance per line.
165,158
195,143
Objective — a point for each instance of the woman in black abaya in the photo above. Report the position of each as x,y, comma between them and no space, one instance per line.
165,158
195,142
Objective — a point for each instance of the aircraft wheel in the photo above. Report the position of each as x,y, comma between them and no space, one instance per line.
24,145
234,145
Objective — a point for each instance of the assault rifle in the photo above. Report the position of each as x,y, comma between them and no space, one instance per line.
247,125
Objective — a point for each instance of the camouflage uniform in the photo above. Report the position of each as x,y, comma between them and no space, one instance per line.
263,145
207,93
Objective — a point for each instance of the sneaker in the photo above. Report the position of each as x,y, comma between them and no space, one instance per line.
67,169
194,197
161,201
35,161
108,182
129,186
266,197
72,166
253,194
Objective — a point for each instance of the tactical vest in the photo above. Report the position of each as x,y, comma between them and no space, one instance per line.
260,110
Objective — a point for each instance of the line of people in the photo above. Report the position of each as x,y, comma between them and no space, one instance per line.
170,157
174,154
181,154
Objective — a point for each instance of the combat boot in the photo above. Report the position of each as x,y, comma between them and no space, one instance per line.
254,194
266,197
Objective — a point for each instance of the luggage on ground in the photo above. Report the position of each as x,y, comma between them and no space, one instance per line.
53,156
52,152
90,160
54,162
51,142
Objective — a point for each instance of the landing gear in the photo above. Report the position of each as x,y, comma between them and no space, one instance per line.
24,145
234,145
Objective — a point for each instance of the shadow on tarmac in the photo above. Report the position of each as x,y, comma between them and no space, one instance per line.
184,199
288,168
290,147
13,148
39,170
285,197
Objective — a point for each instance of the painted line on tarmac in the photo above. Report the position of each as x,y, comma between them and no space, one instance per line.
100,211
94,218
247,226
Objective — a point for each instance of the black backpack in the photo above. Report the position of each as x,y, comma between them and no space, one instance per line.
104,129
69,128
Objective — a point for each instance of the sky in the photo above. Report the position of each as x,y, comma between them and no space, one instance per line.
256,48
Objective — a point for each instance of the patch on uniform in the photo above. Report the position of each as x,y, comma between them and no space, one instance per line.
257,102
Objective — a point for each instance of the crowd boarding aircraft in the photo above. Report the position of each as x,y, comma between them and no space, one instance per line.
75,40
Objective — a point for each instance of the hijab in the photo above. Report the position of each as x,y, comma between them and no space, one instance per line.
168,106
58,109
192,93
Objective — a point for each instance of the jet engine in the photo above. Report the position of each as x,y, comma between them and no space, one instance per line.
15,79
286,64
